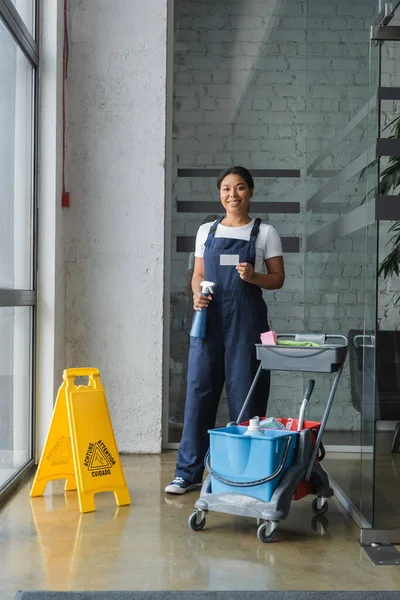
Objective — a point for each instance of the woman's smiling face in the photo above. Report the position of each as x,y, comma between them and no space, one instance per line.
235,195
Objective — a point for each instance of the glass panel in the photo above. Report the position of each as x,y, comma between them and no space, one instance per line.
386,513
15,390
338,105
27,11
16,164
239,98
364,347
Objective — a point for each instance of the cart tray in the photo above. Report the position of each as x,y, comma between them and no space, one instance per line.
327,358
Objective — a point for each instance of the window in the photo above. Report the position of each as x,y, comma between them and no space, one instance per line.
18,93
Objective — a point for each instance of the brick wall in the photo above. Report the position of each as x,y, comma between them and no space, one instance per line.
250,79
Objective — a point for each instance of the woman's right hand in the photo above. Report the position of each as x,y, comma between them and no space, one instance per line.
200,301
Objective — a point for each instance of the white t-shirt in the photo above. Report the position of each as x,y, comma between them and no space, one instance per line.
268,243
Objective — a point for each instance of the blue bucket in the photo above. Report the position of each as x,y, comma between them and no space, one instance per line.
243,458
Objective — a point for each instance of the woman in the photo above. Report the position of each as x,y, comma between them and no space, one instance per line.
233,253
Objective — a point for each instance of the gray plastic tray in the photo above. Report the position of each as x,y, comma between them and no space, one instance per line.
327,358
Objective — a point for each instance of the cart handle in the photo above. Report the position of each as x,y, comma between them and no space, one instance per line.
337,337
243,484
364,337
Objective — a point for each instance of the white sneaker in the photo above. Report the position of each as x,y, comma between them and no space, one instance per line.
181,486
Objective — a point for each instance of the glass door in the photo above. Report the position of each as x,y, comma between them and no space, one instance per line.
381,358
380,487
339,151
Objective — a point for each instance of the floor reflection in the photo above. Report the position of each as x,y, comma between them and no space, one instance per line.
47,543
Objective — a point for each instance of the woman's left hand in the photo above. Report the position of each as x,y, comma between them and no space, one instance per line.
246,271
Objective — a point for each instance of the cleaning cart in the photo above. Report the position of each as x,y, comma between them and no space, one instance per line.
284,465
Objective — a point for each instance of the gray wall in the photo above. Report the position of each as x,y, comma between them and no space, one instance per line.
114,230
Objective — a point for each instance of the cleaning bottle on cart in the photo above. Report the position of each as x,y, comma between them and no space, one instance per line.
254,428
199,324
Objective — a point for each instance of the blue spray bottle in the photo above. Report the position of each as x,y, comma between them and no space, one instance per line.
199,324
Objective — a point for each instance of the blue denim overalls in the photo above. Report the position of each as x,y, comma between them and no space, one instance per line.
236,317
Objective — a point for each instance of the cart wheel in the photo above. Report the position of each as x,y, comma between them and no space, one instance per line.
319,510
320,525
263,534
194,523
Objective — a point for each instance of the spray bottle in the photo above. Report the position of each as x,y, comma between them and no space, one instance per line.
198,329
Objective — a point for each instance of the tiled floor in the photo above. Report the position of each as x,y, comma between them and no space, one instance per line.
46,543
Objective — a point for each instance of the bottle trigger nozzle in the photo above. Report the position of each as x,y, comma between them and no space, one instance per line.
207,287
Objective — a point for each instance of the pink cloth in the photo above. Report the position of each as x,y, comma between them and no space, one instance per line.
268,338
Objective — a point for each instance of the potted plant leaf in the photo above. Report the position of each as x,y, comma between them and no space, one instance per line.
389,182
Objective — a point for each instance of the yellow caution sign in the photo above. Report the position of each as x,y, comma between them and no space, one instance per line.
80,445
57,460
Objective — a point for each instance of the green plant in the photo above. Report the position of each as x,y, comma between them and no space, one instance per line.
389,182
